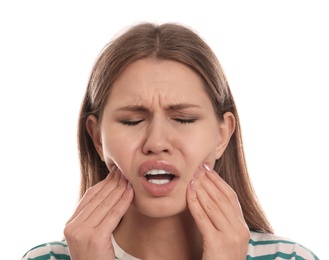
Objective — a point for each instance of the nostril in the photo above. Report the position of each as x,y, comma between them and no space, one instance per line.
156,152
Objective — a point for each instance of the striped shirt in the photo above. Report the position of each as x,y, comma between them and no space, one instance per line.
262,246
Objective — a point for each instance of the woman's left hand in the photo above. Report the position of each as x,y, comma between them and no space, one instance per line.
217,212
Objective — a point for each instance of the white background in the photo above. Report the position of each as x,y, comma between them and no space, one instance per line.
275,55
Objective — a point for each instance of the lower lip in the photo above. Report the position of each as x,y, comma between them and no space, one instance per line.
158,190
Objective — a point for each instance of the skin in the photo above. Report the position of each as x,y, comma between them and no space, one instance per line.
159,111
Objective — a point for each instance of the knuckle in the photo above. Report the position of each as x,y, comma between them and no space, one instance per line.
220,198
67,231
126,196
114,213
193,199
90,192
103,205
72,233
121,186
211,206
97,198
245,233
233,196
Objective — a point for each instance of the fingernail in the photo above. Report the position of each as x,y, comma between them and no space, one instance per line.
207,167
192,185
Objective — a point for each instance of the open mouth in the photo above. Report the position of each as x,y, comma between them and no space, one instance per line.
159,176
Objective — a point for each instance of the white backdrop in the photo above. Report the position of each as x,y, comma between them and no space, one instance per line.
275,55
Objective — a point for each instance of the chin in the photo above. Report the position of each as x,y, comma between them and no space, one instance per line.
162,207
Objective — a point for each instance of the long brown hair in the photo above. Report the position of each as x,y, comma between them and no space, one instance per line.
171,42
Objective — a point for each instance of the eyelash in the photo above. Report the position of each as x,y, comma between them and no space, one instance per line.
131,123
184,121
179,120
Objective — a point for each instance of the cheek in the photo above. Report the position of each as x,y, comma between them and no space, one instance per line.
119,150
201,148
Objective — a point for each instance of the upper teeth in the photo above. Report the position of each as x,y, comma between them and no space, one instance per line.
157,172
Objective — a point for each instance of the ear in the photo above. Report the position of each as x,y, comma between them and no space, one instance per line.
226,129
93,130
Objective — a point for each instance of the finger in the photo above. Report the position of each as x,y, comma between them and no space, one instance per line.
220,236
228,194
200,216
115,214
216,199
217,213
96,194
105,206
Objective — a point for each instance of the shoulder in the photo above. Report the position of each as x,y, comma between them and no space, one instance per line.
269,246
50,250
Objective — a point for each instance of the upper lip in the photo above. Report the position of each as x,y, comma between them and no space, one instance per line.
159,165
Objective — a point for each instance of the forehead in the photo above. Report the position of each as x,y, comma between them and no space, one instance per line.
149,80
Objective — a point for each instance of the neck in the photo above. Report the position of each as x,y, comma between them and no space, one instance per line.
175,237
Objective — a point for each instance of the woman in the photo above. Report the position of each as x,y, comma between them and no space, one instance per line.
163,172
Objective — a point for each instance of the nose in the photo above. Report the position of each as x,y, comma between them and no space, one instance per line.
157,138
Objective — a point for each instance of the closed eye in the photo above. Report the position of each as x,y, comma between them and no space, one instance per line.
131,123
184,121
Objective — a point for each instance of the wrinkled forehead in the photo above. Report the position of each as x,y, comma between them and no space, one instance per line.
158,81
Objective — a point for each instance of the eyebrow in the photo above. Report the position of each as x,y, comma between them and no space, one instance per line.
138,108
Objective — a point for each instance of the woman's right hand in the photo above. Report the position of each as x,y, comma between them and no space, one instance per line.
88,232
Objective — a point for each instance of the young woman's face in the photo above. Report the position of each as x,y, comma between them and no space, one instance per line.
157,127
